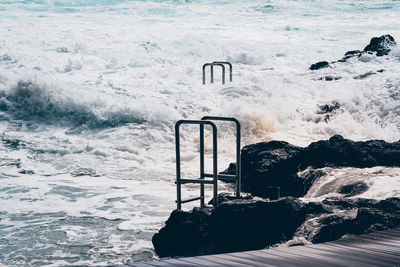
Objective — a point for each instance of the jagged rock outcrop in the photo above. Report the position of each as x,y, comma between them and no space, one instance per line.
255,223
246,224
277,163
339,217
235,225
268,164
380,46
328,110
319,65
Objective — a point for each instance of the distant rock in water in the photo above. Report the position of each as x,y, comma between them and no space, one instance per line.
246,224
319,65
353,53
366,75
330,78
277,163
381,46
328,110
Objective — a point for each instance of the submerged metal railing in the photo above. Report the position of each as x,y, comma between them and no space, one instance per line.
212,72
207,120
230,68
220,64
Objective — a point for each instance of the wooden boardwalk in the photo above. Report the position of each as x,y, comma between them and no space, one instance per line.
375,249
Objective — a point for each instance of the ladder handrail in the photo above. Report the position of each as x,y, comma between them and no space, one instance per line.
178,162
212,72
230,68
238,159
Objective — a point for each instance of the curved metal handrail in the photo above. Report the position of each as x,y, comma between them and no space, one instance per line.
238,159
212,72
179,181
230,68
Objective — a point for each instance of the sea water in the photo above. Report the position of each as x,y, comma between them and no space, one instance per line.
90,91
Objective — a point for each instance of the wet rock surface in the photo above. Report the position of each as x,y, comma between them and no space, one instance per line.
379,46
319,65
329,78
328,110
278,163
367,74
271,164
341,217
256,222
248,224
235,225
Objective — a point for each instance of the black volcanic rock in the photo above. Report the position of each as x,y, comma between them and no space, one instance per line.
353,53
225,197
184,233
328,110
271,164
319,65
381,45
245,224
253,223
277,163
235,225
330,78
248,225
341,152
369,215
365,75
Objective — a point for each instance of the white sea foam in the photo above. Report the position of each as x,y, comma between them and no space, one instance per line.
380,183
90,92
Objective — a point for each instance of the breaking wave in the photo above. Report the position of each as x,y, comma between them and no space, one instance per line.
29,100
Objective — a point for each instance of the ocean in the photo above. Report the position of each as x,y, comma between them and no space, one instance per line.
90,91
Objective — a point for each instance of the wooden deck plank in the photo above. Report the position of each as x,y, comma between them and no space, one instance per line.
320,256
373,253
221,261
196,260
375,249
288,257
359,255
390,242
312,258
257,260
179,262
238,260
378,248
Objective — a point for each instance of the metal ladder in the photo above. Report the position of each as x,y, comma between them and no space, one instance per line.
217,63
207,120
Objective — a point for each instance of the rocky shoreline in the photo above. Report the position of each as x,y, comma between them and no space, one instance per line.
256,222
380,46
